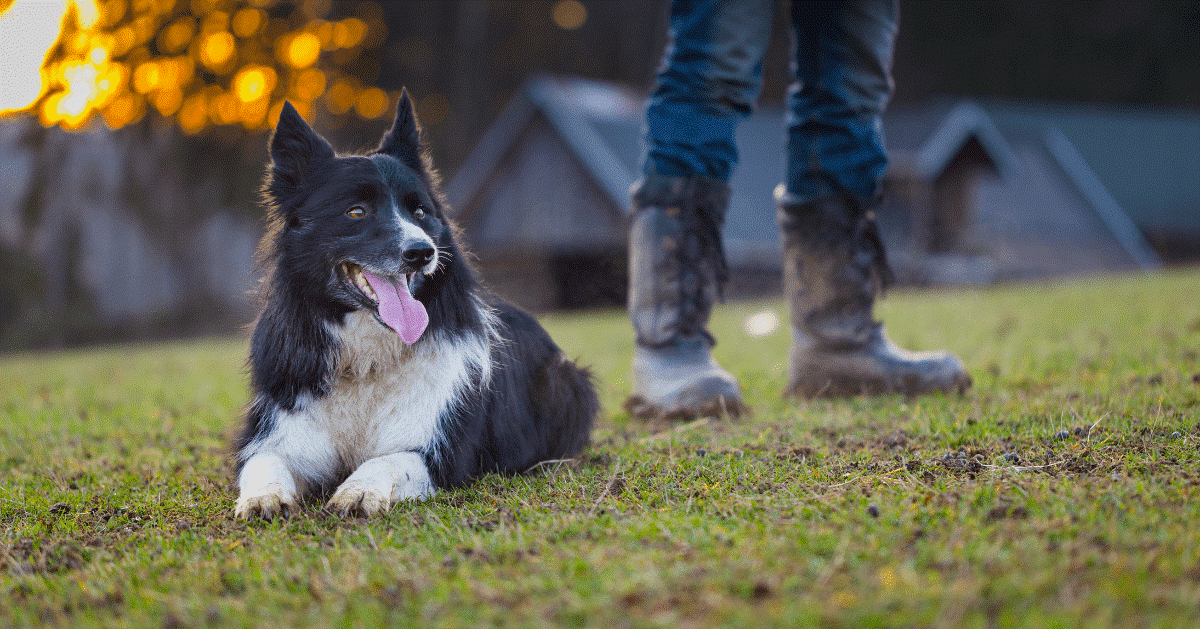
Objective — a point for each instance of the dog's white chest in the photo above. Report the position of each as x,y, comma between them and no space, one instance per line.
385,398
391,409
389,397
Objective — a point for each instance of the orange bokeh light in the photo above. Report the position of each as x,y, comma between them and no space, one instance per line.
341,97
216,50
193,114
223,109
167,101
302,50
177,35
124,110
251,114
247,22
349,32
30,29
147,77
569,15
254,83
310,84
215,21
198,62
372,103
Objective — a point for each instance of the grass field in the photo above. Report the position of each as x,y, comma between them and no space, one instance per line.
1063,490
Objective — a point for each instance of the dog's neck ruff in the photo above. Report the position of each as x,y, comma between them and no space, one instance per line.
368,348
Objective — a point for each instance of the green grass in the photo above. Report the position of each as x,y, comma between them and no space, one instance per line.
116,498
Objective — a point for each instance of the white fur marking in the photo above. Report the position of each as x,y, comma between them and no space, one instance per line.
410,231
266,487
387,398
381,482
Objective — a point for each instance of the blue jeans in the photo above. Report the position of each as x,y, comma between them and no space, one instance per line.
712,73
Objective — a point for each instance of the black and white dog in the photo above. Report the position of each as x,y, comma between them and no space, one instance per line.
381,370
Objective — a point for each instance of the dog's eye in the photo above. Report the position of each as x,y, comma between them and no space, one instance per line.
419,212
356,212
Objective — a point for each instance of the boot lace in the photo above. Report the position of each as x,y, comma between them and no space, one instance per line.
869,253
701,245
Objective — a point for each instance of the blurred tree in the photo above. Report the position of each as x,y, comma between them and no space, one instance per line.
201,63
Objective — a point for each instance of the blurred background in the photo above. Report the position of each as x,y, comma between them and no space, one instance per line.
1028,140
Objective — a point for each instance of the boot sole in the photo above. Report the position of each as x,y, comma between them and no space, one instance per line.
641,408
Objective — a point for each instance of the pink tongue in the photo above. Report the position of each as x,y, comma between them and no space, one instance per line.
398,309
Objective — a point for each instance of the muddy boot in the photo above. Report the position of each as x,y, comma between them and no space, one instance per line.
833,267
676,273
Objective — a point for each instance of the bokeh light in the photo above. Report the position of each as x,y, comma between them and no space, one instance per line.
246,22
197,62
176,36
254,83
349,33
167,100
341,97
123,110
302,50
193,114
216,50
372,103
569,14
310,85
28,29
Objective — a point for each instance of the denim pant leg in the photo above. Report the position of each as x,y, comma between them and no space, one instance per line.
710,78
842,81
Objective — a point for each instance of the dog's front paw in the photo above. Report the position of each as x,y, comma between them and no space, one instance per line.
355,498
380,483
266,505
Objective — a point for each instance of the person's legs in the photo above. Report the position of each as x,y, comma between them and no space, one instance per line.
834,261
710,79
842,71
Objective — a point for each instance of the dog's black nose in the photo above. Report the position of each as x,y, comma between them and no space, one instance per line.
419,253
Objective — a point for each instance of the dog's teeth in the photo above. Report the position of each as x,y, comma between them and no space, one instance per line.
360,280
366,287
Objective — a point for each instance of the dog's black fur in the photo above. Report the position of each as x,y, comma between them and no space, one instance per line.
535,406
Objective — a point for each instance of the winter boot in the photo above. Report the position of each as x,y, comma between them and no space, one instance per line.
833,267
676,273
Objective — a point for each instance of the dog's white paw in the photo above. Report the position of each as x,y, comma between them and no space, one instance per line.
267,488
358,499
414,489
380,483
267,505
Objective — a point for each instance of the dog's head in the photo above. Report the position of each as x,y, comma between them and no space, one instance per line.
365,231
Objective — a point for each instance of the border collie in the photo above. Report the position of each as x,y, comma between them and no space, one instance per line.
381,370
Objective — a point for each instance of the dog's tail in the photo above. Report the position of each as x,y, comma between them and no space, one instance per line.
571,403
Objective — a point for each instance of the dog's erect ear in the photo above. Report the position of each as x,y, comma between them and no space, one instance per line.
403,141
295,147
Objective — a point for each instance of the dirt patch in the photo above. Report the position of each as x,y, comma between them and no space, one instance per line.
1005,512
28,556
